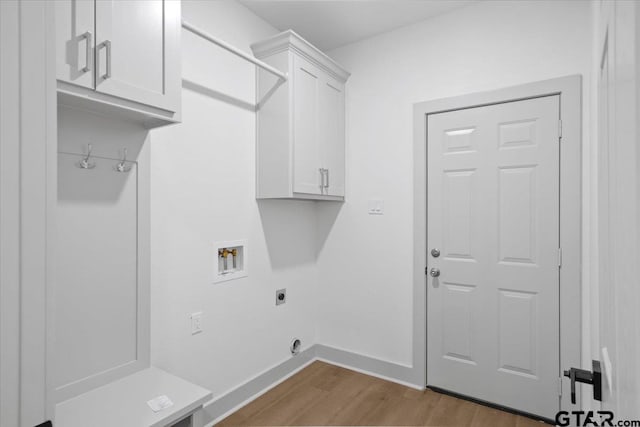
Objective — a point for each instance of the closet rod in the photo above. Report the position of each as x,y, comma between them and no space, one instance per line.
234,50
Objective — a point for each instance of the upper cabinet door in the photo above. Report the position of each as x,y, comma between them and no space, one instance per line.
307,177
332,135
75,37
137,50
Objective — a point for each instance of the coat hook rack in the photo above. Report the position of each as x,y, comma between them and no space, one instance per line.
86,162
122,165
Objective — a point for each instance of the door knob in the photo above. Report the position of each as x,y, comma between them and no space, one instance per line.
435,272
435,252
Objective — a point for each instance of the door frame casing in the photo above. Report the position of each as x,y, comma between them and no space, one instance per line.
569,90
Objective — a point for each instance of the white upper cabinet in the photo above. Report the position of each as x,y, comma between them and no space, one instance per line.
301,132
120,54
75,41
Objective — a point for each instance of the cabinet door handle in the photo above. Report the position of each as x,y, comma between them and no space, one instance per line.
88,37
327,174
107,45
321,170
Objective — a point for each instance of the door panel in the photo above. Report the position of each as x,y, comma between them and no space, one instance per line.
307,163
493,211
133,65
332,134
618,295
75,38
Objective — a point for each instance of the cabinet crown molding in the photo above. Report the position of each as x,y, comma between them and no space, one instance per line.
290,40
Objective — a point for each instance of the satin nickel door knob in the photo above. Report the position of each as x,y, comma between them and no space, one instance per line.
434,272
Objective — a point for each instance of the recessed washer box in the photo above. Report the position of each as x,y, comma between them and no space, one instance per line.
230,260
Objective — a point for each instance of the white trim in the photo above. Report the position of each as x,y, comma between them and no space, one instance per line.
290,40
141,361
9,214
225,405
389,371
28,122
569,89
383,369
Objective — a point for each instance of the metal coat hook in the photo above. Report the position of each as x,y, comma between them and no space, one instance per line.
122,165
85,163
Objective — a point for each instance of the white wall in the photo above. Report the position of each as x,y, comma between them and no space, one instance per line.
203,187
100,295
203,190
365,262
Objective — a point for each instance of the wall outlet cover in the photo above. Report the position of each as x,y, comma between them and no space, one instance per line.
196,323
376,207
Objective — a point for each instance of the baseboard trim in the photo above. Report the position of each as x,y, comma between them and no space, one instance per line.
242,395
245,393
382,369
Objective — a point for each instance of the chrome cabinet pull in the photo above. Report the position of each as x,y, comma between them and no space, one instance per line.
324,179
88,37
107,45
321,170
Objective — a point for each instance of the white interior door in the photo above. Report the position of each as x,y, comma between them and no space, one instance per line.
493,213
619,208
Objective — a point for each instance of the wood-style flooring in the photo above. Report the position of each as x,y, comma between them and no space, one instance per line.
327,395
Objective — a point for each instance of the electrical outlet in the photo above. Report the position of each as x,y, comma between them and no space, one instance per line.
376,207
281,296
196,323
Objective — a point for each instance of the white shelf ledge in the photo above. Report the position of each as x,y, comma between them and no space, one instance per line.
123,403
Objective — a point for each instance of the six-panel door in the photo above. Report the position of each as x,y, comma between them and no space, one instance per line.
493,212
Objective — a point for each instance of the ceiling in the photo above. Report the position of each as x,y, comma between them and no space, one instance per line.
332,23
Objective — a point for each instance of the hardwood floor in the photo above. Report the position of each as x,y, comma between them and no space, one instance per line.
323,394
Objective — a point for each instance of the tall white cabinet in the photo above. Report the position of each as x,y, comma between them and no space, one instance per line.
120,54
301,124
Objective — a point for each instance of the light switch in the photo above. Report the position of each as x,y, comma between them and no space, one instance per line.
196,323
376,207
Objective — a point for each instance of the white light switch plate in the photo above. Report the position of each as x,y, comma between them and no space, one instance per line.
196,323
376,207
